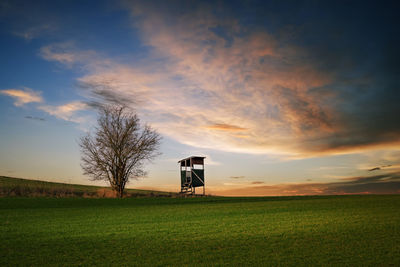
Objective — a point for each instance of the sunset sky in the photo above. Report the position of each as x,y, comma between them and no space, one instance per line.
281,97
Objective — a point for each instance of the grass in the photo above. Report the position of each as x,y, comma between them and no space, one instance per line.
10,186
324,231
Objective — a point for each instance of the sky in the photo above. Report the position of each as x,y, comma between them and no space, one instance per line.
281,97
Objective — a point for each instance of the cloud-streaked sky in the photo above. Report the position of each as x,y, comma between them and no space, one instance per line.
282,97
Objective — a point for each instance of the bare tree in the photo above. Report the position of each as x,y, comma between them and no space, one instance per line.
119,148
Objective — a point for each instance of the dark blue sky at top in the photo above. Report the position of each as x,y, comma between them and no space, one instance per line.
365,31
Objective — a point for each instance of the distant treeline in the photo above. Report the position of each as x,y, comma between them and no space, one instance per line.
16,187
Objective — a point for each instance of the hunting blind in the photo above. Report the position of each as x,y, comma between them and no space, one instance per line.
192,174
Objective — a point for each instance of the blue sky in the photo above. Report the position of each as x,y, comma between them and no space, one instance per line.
282,97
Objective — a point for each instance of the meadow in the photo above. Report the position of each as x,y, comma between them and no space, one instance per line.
323,231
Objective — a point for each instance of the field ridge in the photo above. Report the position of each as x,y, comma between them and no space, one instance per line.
19,187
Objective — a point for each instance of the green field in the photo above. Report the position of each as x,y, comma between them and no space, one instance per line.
337,230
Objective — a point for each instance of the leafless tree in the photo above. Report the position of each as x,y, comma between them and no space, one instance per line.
119,148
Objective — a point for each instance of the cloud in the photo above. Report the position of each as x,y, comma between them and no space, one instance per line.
381,167
24,96
35,31
30,20
100,90
225,127
379,184
290,98
67,54
210,79
67,111
374,169
200,80
34,118
237,177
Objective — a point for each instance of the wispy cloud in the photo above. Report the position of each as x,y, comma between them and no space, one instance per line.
67,111
388,166
212,82
180,97
379,184
66,53
35,31
237,177
34,118
225,127
23,96
374,169
261,82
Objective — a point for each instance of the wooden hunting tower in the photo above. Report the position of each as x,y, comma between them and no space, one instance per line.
192,174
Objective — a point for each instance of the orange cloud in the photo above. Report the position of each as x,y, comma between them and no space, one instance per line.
251,82
225,127
67,111
23,96
388,183
269,92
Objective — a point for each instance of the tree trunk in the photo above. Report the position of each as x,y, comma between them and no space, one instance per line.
120,192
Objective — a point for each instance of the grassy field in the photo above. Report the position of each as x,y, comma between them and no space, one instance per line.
10,186
337,230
